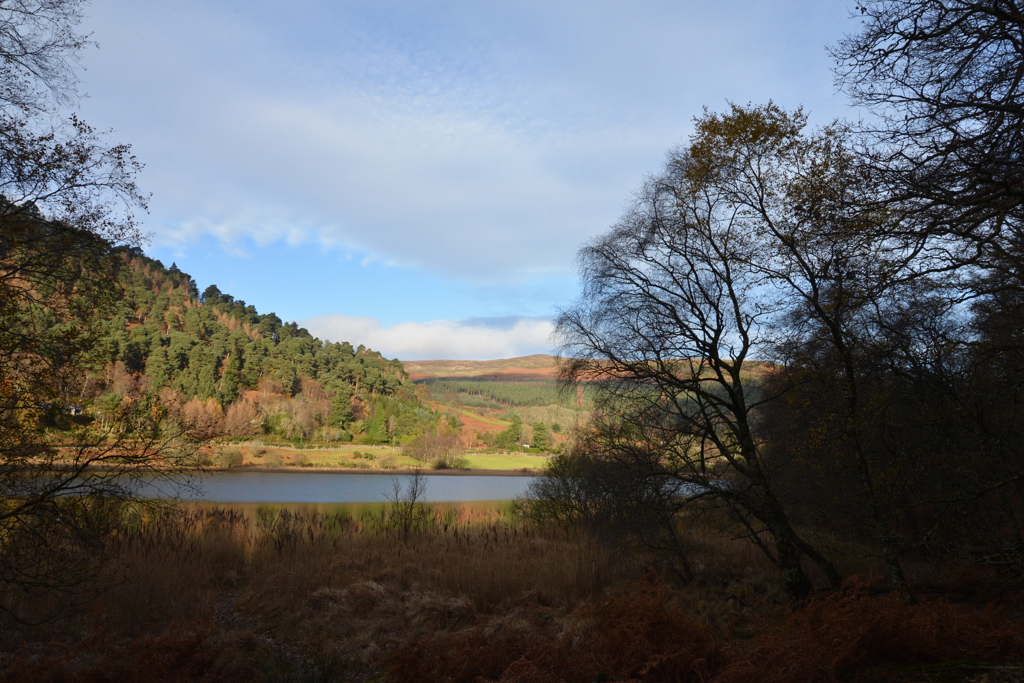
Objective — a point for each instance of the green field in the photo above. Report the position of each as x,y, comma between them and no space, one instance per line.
506,461
492,394
365,458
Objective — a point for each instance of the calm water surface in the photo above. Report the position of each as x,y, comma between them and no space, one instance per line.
329,487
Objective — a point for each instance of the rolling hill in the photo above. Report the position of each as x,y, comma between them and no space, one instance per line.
538,366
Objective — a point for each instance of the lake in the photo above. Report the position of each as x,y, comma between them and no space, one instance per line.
329,487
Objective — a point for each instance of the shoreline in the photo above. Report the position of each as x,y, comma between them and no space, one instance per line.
322,470
361,470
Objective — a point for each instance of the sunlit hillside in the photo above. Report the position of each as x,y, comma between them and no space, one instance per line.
537,366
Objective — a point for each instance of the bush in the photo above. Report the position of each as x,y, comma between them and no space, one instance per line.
228,457
353,465
450,462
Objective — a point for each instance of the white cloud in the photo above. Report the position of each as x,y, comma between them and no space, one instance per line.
482,140
440,339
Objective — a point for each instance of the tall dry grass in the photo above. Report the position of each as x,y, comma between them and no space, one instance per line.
171,565
476,596
353,590
321,593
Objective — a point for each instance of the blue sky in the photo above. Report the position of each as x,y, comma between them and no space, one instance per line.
417,176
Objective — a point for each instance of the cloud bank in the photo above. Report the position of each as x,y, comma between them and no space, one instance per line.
471,339
485,141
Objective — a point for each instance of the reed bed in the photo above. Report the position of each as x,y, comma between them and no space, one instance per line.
315,591
422,594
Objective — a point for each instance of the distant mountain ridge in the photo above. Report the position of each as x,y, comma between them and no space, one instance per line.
536,366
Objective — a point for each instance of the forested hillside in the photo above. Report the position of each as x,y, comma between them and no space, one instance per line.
232,371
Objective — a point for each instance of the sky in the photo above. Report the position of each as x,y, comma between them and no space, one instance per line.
417,176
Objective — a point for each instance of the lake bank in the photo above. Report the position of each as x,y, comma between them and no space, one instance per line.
367,470
255,455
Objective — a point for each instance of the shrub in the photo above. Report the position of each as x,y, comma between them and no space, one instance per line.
450,462
353,465
228,457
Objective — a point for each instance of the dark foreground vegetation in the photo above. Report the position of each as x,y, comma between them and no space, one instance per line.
877,267
847,507
415,595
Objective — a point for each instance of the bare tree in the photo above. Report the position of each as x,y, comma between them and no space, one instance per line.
39,43
764,241
945,82
680,299
406,512
440,445
66,198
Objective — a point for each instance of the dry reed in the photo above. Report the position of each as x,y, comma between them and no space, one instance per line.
471,595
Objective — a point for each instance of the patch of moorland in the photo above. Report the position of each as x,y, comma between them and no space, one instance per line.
538,366
411,594
487,396
472,420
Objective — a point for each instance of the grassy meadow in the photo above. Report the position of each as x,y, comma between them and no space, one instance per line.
359,458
